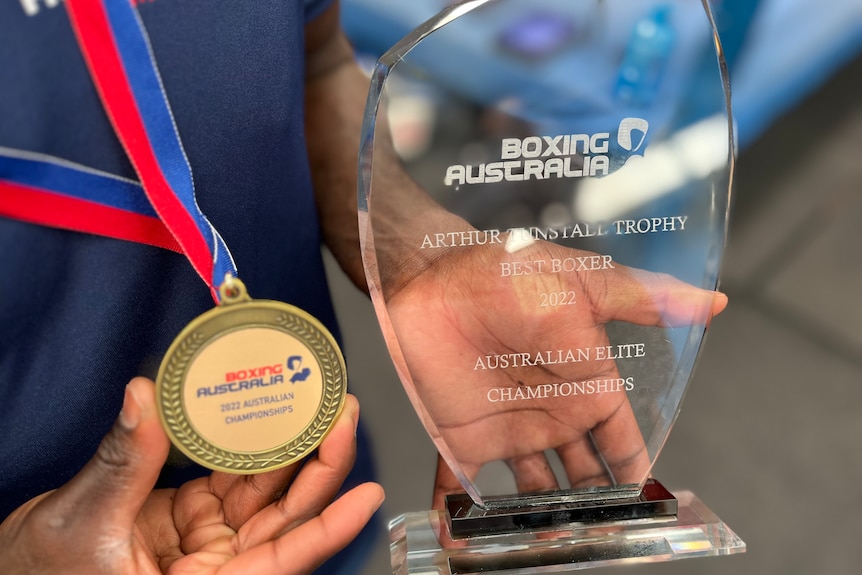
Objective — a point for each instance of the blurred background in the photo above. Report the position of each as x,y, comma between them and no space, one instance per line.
770,431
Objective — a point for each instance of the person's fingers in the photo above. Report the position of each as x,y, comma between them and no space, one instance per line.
111,489
339,524
245,495
304,548
533,473
314,487
651,299
583,465
621,446
199,519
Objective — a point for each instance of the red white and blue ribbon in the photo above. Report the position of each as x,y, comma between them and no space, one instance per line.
49,191
118,54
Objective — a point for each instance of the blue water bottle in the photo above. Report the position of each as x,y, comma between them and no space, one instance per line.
645,58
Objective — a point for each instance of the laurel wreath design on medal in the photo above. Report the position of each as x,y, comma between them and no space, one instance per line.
191,341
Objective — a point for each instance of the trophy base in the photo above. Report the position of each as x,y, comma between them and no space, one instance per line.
422,543
545,511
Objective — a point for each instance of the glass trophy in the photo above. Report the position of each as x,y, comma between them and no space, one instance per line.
543,205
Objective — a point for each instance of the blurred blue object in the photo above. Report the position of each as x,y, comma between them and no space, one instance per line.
645,59
777,50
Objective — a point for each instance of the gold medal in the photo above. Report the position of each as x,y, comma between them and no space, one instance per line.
250,386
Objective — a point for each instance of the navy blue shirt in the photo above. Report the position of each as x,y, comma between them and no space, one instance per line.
81,314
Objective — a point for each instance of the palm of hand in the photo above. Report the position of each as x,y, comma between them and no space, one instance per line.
188,531
225,524
184,532
456,319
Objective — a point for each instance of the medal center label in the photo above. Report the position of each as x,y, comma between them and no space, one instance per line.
253,389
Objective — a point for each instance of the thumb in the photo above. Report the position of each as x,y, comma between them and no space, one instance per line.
654,299
111,489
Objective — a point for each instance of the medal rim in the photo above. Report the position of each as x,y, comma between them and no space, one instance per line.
194,338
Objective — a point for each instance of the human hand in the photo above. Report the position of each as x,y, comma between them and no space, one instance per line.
460,309
108,519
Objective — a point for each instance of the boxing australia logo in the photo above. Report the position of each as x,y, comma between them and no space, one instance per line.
560,156
632,127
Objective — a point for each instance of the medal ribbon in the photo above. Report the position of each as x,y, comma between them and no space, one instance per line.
52,192
118,54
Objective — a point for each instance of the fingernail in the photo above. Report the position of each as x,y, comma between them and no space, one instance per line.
130,415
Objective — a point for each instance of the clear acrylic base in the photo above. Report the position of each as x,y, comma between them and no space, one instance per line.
421,543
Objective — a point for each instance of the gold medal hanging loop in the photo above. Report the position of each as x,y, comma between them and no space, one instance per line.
232,291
